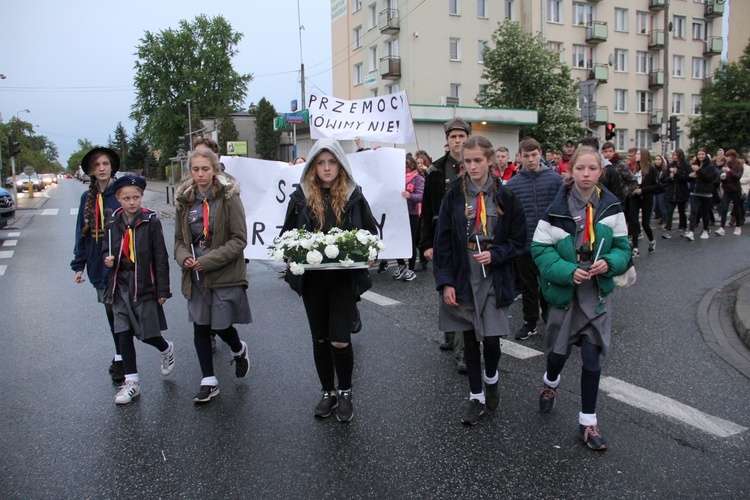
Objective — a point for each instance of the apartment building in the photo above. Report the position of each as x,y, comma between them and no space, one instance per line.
433,50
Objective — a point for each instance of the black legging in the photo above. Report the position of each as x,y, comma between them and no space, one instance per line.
700,206
644,205
680,212
111,321
414,225
127,348
472,356
590,372
738,208
202,342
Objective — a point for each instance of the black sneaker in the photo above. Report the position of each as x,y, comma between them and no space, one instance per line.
461,366
327,404
446,346
422,266
589,434
345,411
118,372
547,399
526,331
205,393
112,366
473,412
383,266
492,396
357,325
241,362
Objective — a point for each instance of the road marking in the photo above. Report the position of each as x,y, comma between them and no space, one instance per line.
6,255
73,211
519,351
10,243
662,405
14,235
2,270
50,211
379,299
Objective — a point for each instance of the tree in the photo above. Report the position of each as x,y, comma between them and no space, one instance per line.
227,131
120,143
84,146
36,150
267,140
521,72
139,156
725,108
193,63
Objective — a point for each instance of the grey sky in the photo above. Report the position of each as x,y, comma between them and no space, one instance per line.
71,62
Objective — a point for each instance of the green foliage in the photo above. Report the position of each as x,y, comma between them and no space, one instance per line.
725,108
192,63
140,157
227,131
120,143
522,73
84,146
36,150
266,139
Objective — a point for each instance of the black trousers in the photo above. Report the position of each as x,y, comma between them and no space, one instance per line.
528,277
700,206
680,213
738,209
643,206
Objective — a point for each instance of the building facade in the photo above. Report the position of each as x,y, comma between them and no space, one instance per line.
433,50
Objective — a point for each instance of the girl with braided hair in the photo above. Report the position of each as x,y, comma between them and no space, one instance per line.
480,230
97,205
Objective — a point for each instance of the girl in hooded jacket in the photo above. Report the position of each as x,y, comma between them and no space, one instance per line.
210,235
580,245
676,192
328,197
97,205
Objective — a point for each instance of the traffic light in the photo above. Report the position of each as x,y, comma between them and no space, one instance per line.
184,143
609,131
674,130
14,147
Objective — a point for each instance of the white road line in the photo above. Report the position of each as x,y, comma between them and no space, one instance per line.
10,243
73,211
518,351
662,405
2,270
6,255
14,235
379,299
50,211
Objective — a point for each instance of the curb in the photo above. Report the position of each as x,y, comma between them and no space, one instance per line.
741,316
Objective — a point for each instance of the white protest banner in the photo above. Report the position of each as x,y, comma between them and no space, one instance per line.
265,187
385,118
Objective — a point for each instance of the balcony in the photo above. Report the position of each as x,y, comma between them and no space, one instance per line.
388,21
656,39
654,118
600,116
600,73
714,8
656,79
713,46
390,67
596,32
656,5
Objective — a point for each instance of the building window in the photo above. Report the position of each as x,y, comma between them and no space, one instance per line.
373,59
652,63
554,11
699,29
456,90
509,10
557,47
392,89
700,68
678,142
679,27
644,20
357,37
641,62
481,44
372,11
621,20
391,47
582,57
582,14
482,9
678,66
645,101
373,92
453,8
356,5
621,100
358,74
695,105
621,60
678,104
621,139
643,139
455,49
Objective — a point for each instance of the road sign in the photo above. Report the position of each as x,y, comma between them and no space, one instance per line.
28,170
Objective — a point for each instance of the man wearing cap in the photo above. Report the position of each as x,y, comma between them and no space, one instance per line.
563,168
439,175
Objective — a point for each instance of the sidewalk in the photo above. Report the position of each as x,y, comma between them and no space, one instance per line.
158,191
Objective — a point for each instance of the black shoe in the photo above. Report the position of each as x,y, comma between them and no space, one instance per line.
205,393
118,372
241,362
547,399
357,325
383,266
589,434
446,346
327,404
473,412
422,266
492,396
461,366
345,411
112,366
526,331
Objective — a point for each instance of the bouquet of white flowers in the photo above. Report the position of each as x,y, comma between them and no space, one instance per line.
337,248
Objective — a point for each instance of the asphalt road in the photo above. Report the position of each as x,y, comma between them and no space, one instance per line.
63,437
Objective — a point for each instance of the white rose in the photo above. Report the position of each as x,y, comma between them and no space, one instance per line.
306,244
278,255
363,236
314,257
373,254
329,239
297,269
332,251
381,245
347,262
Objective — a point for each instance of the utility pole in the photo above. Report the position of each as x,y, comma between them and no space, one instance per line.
665,102
302,64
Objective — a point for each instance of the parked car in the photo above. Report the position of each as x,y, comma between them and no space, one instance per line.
9,181
7,209
22,182
85,178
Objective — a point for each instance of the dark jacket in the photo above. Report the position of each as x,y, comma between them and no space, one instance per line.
649,184
151,257
731,181
707,176
676,188
435,187
451,257
87,252
618,178
535,191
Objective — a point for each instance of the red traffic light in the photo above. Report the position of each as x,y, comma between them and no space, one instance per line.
609,133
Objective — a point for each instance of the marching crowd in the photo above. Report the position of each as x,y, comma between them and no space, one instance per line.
556,227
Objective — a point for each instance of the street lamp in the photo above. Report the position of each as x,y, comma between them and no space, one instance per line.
22,111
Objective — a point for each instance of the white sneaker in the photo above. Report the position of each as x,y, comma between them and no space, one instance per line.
720,231
689,236
636,252
128,392
399,272
704,235
167,360
410,275
737,231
